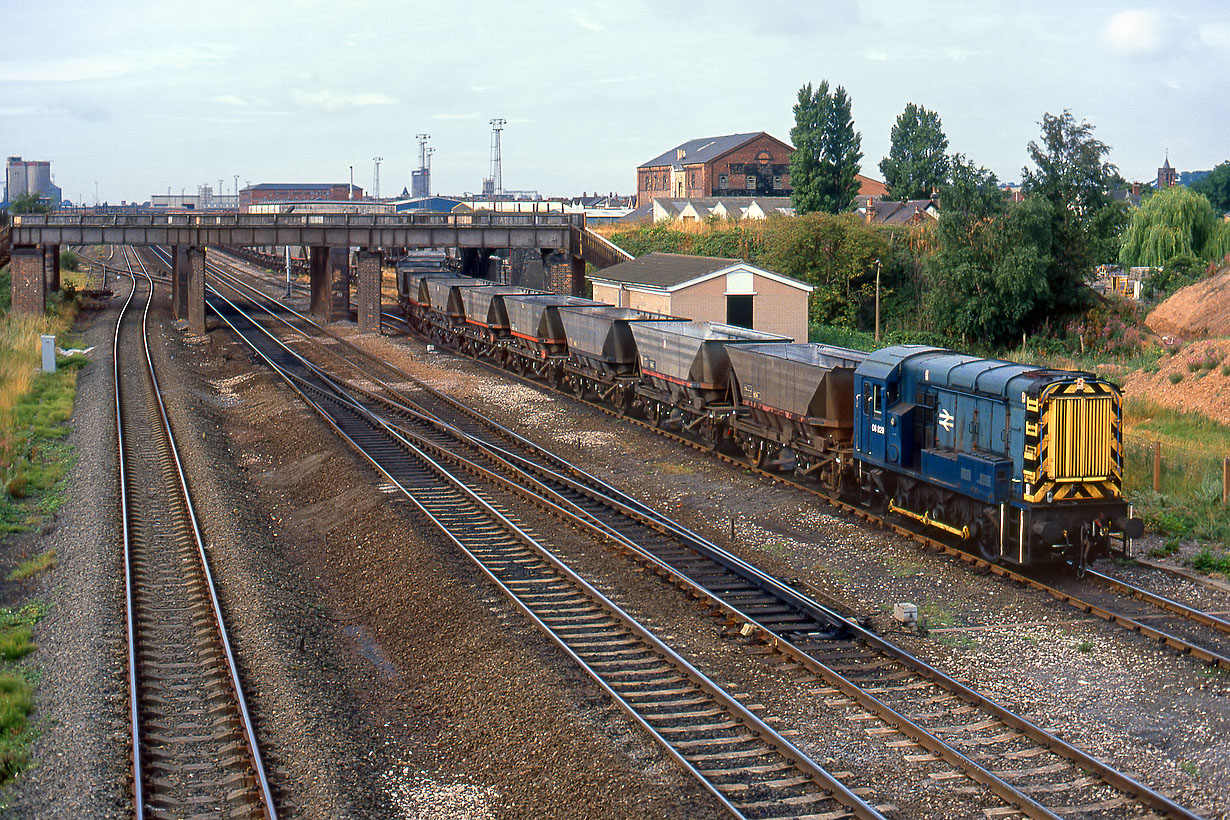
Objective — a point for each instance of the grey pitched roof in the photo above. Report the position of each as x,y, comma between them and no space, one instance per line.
664,269
893,212
643,213
700,150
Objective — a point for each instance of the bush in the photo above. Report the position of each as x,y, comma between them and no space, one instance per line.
69,260
1175,378
1208,562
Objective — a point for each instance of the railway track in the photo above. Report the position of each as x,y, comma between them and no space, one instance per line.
939,722
194,750
1208,645
748,766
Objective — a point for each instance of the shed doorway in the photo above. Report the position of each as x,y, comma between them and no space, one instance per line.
739,311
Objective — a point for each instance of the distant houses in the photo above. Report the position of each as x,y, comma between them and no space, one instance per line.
740,176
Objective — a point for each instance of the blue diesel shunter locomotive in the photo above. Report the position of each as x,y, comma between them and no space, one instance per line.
1025,462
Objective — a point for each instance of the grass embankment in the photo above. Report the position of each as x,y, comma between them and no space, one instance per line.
34,461
1189,505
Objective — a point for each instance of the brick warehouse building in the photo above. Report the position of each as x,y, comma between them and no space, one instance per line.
734,165
297,192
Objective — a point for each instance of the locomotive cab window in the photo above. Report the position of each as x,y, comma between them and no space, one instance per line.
872,398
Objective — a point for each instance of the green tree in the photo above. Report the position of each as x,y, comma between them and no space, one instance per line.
1174,222
916,163
988,282
1073,177
28,203
836,253
825,162
1216,186
970,192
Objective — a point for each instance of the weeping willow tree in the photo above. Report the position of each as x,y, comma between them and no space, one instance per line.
1172,223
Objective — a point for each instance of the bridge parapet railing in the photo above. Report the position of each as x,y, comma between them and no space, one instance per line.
479,219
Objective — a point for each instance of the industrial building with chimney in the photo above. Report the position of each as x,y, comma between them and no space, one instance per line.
29,177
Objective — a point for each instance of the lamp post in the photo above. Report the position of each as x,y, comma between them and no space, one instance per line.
878,300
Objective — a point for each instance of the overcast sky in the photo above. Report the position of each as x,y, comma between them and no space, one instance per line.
141,96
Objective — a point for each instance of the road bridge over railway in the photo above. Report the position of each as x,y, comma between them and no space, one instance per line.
37,238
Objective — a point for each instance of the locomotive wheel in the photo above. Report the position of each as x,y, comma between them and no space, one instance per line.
988,547
578,386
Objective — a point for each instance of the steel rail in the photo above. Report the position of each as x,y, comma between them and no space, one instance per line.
1113,777
130,609
1187,575
1161,601
266,800
1178,643
232,664
783,746
1005,791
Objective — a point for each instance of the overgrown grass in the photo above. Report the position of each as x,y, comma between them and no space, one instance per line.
16,688
1193,446
34,407
34,566
34,458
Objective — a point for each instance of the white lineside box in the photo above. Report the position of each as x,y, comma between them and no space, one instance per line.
49,354
906,614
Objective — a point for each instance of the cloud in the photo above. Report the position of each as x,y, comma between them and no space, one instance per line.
586,22
111,66
326,99
1216,34
631,78
1139,32
960,53
471,116
231,99
875,55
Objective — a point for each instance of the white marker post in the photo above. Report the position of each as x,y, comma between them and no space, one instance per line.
49,354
